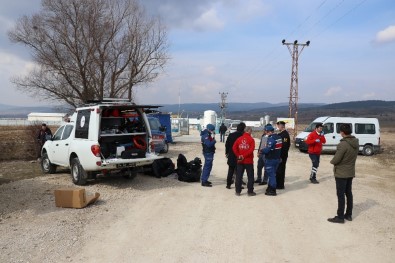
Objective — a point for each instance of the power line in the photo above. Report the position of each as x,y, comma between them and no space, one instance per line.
340,18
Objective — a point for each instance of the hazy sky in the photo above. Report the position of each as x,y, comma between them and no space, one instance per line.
235,46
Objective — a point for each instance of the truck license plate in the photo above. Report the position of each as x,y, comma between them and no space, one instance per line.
122,165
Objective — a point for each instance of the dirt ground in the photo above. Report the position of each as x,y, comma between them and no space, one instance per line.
164,220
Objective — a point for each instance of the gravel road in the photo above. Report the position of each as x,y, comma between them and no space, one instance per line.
164,220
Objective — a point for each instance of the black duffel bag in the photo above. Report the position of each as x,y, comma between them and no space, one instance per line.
162,167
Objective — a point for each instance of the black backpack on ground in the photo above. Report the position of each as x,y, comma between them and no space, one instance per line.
188,171
162,167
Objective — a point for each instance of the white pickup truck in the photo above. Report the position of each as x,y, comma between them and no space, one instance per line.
101,139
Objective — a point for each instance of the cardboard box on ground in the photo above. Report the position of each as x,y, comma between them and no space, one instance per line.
74,198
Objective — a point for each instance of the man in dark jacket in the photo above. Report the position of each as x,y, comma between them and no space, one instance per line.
208,144
222,130
42,135
344,171
280,175
232,160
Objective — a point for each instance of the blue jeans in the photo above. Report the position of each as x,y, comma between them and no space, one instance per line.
208,165
271,166
260,166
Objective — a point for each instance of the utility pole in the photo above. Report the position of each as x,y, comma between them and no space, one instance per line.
293,91
223,105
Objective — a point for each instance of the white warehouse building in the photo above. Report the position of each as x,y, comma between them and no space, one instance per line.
49,118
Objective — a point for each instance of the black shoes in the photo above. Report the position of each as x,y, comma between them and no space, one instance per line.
280,187
336,219
243,183
206,184
348,217
263,183
228,187
251,194
237,194
270,191
314,181
257,181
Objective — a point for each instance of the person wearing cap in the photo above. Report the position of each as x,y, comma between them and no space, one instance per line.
243,148
232,159
261,160
280,175
272,153
42,135
208,144
315,140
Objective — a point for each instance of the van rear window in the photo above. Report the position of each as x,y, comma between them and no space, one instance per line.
365,128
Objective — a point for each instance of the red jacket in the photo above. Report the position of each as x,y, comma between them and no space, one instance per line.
315,147
244,146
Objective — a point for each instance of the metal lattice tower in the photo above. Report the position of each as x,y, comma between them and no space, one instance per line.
223,105
293,91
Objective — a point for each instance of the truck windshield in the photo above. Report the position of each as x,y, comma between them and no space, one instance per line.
311,127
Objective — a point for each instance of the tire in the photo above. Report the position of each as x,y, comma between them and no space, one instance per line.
165,148
78,173
46,166
367,150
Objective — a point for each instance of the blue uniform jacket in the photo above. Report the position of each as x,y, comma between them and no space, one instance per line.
208,142
273,147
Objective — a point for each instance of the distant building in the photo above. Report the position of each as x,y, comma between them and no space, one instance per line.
49,118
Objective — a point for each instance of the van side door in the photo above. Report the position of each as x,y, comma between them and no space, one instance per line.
334,138
330,136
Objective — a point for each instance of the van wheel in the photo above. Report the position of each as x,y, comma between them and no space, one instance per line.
46,165
367,150
165,148
78,173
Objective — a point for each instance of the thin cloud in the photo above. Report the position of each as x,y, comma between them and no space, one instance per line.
333,91
208,20
386,36
369,95
209,71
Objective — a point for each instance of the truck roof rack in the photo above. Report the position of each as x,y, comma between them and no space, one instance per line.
117,102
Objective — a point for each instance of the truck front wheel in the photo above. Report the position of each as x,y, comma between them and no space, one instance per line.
46,165
78,173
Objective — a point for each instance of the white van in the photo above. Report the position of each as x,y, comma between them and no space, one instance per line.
367,130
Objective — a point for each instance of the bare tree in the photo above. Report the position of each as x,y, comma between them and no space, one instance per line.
90,49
